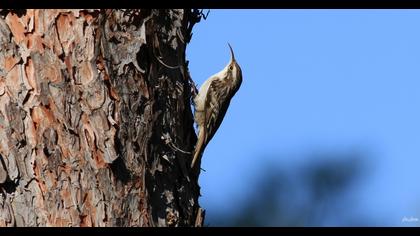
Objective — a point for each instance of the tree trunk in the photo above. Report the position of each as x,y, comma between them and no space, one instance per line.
95,119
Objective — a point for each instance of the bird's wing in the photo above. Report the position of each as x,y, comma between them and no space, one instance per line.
217,103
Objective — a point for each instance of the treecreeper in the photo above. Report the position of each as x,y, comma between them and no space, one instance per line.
212,101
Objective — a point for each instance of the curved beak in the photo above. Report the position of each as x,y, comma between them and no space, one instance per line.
232,56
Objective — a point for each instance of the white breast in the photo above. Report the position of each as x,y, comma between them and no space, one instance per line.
200,99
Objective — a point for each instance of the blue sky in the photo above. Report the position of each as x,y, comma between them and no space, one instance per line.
334,80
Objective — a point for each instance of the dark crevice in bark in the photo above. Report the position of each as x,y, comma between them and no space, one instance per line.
9,186
118,167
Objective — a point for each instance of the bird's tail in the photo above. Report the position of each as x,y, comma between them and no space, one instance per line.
199,146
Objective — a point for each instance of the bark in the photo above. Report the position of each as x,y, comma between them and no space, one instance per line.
95,119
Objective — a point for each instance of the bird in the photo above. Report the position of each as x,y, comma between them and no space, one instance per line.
212,101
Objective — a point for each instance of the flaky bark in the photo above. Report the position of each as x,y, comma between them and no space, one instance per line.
95,119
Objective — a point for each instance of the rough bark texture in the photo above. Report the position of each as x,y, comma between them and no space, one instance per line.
95,119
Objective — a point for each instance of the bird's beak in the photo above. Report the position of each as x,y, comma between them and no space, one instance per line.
232,56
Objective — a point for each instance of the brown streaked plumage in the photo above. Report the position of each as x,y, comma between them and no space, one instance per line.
212,102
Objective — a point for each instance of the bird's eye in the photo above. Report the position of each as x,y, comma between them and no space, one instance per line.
230,67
